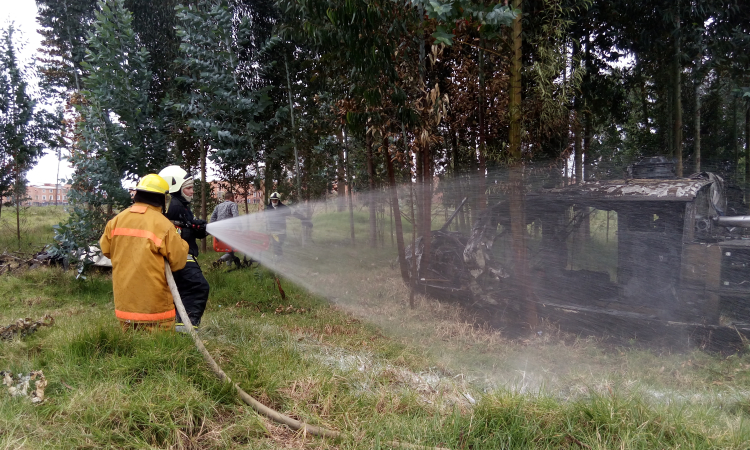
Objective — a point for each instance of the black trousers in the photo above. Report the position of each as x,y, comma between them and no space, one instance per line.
193,289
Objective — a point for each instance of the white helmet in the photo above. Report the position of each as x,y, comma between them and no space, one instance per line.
175,176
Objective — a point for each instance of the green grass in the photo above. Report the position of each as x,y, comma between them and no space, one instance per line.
321,364
370,367
36,224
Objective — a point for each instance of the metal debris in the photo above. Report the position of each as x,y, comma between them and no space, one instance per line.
636,189
15,261
24,327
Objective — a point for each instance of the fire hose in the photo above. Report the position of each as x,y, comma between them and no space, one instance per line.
259,407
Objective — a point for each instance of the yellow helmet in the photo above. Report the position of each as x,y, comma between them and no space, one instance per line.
152,183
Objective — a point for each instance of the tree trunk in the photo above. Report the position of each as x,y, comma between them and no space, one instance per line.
57,176
267,182
577,138
17,189
747,144
204,186
18,221
517,207
577,143
414,272
676,82
587,119
390,221
294,131
341,183
372,204
514,104
668,132
482,197
735,145
644,95
587,136
454,152
456,176
246,188
396,214
518,245
349,189
419,171
697,122
426,225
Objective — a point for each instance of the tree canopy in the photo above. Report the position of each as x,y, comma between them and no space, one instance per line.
303,96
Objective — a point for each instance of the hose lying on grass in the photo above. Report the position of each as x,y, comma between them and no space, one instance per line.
259,407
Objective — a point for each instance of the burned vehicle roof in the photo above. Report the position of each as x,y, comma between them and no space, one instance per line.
680,190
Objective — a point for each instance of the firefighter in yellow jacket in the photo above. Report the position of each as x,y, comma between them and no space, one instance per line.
137,240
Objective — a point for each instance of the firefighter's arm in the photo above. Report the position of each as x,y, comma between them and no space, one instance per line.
175,249
106,240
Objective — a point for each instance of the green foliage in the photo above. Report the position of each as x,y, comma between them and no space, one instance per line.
218,106
489,18
25,128
65,26
120,131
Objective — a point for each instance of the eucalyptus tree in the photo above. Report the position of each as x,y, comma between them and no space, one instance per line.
376,51
25,128
65,26
727,46
120,133
648,66
219,106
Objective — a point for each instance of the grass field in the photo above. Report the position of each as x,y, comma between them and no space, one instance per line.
36,224
367,365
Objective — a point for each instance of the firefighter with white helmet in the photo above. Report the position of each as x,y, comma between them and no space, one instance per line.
191,283
137,240
276,214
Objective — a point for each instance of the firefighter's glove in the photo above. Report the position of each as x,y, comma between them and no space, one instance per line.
198,227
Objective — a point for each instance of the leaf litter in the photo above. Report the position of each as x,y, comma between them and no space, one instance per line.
24,327
18,385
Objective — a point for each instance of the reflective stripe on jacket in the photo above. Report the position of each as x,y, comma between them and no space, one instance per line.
137,240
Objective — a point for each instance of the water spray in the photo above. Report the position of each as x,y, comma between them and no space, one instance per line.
662,263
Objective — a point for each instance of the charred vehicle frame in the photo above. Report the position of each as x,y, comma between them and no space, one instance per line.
675,263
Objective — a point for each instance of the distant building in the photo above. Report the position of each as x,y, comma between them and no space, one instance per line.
44,194
253,196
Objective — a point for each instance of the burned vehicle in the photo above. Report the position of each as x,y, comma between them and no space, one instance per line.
641,258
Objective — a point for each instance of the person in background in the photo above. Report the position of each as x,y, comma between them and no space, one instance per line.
137,240
226,210
190,281
276,214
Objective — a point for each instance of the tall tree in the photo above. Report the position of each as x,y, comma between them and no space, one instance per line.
25,128
65,26
120,133
220,107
